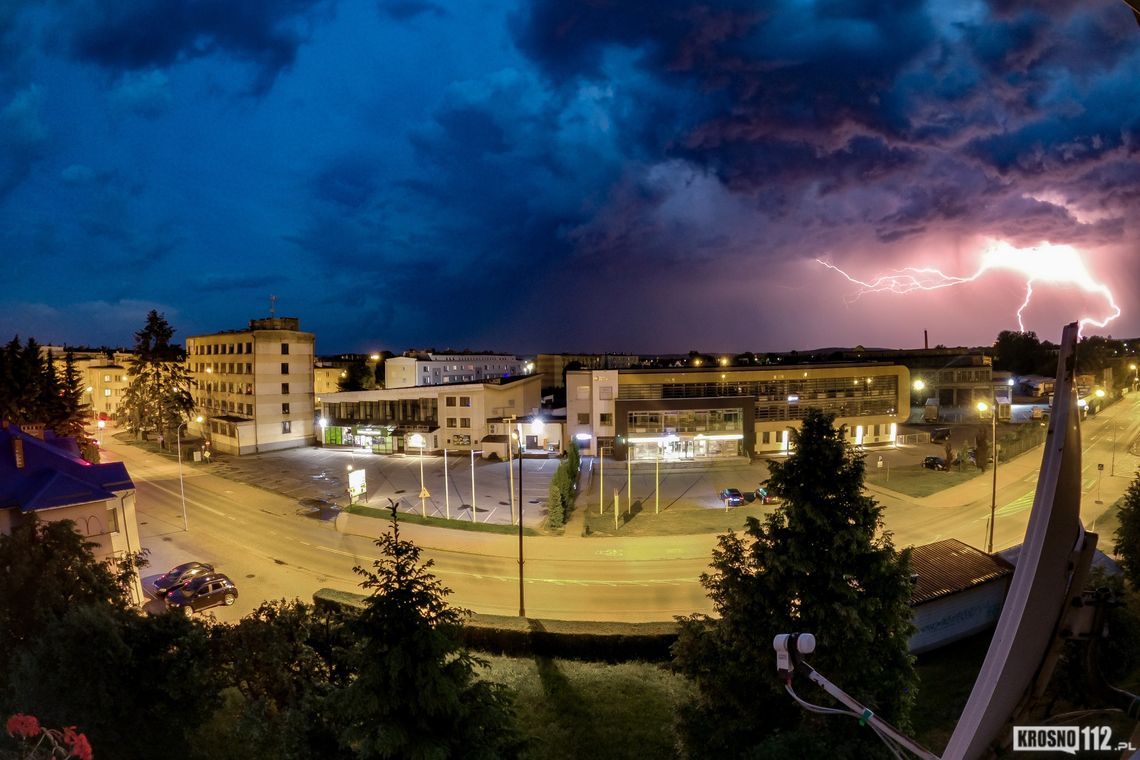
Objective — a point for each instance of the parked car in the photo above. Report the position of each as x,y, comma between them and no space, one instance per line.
732,497
935,463
179,575
765,496
972,457
203,592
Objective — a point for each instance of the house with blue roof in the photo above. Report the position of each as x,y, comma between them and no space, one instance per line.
42,476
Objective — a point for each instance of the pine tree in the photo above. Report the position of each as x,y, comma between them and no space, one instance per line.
821,564
158,396
417,693
1127,543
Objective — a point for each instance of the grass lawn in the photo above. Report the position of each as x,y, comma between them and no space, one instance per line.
677,520
594,710
439,522
915,480
574,709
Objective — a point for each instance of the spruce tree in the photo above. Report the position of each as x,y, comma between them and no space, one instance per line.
417,693
158,395
1127,543
820,564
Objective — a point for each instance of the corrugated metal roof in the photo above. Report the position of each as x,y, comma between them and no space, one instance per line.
949,566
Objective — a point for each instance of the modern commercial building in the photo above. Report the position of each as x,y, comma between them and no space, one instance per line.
455,416
44,477
418,369
956,377
254,387
725,412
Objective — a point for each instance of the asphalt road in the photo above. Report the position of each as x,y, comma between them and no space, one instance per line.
273,549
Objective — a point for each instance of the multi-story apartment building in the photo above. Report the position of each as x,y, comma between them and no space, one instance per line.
416,369
254,387
457,416
106,382
723,412
552,366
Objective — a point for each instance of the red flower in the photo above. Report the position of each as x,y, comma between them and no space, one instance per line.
24,726
77,744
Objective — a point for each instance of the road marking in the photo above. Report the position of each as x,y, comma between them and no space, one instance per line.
1017,505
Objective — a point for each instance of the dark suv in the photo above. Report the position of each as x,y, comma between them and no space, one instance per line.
203,592
732,497
179,575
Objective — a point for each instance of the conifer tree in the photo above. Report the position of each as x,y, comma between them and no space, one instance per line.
158,395
417,693
820,564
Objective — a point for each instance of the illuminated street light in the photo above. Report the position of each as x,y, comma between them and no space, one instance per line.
101,424
982,407
181,483
418,440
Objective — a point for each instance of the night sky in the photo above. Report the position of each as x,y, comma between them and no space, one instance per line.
570,175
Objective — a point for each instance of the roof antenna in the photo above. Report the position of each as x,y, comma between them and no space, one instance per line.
272,305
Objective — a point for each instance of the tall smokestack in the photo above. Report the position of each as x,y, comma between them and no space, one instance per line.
925,340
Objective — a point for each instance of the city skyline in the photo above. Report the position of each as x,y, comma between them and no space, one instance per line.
570,176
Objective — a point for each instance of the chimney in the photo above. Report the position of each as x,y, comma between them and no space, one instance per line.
18,451
925,340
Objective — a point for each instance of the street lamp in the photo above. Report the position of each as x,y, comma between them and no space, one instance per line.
522,607
982,407
181,482
101,424
418,440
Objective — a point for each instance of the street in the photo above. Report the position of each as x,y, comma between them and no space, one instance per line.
274,548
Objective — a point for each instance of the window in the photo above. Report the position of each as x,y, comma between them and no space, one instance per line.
607,418
450,401
583,418
285,389
284,349
766,437
112,521
605,392
583,391
465,401
451,422
284,368
106,391
106,378
284,408
464,422
286,427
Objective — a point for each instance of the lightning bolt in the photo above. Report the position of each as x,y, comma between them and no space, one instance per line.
1045,263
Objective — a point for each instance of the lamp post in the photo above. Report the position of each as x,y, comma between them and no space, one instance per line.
181,482
101,424
418,440
982,406
522,607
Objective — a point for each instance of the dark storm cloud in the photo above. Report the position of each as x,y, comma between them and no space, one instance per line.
135,35
23,138
350,182
405,10
905,109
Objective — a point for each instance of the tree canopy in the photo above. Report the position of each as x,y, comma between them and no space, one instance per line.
34,390
417,693
819,563
158,395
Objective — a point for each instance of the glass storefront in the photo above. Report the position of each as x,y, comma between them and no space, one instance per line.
674,449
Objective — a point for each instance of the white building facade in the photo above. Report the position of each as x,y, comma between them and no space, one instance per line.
722,412
254,388
442,369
